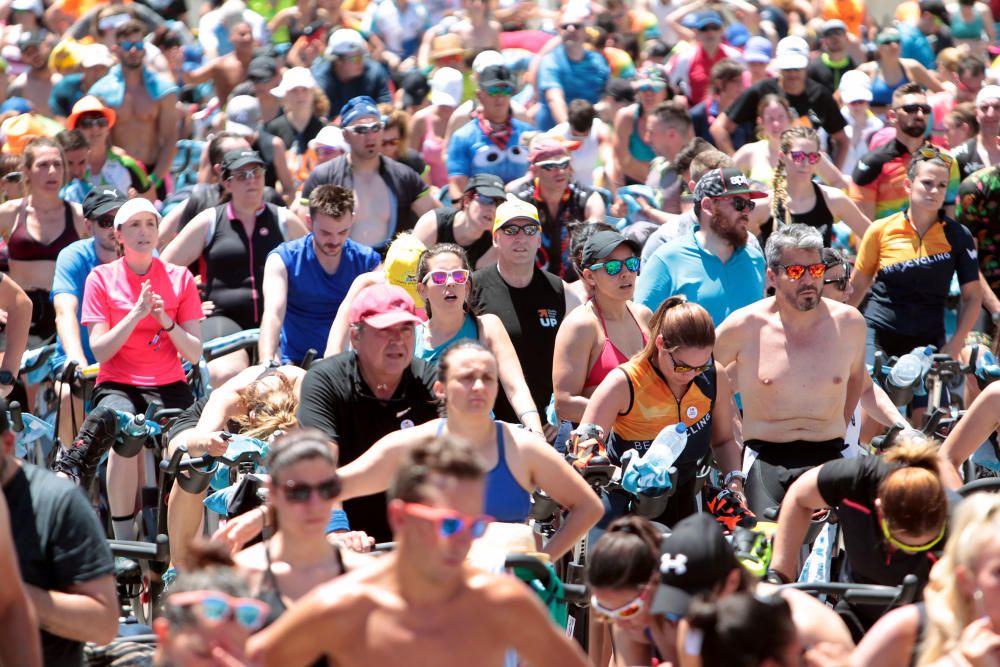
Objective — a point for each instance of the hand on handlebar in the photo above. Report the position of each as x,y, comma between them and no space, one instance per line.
240,530
952,348
354,540
213,444
207,308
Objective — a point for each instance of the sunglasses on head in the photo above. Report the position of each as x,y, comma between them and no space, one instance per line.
106,221
128,46
796,271
364,128
441,277
681,367
555,166
798,157
530,229
908,548
914,108
651,87
502,89
300,492
93,121
626,611
614,266
931,153
216,608
12,177
740,204
450,522
245,174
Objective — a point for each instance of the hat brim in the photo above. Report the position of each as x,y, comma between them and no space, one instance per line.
444,53
756,58
391,319
443,98
671,601
106,207
496,82
753,194
240,129
605,251
243,162
792,61
489,191
110,114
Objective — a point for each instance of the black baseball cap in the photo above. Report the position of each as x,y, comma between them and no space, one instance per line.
262,69
601,244
937,8
694,559
725,182
620,90
488,185
415,88
496,75
102,200
233,160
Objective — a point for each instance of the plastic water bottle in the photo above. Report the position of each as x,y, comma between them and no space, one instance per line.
134,430
651,471
906,371
926,356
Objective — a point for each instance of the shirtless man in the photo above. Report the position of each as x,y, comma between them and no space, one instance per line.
422,604
147,114
35,85
226,72
798,362
390,195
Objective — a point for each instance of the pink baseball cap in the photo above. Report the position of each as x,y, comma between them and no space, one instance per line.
383,306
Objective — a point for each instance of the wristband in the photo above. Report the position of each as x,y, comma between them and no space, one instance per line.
338,522
734,474
171,327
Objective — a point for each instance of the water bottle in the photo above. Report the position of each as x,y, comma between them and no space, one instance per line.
926,356
668,445
650,473
134,432
907,370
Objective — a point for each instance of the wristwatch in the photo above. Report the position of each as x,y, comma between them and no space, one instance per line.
7,378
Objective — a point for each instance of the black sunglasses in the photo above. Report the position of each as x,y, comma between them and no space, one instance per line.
106,221
914,108
300,492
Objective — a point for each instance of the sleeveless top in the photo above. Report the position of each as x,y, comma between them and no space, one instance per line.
652,407
22,247
445,218
233,265
638,148
610,357
506,500
270,593
432,151
882,91
960,29
423,350
820,217
265,147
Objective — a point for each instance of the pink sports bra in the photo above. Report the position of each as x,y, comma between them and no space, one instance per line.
611,357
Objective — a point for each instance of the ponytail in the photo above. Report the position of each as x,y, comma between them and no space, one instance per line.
912,495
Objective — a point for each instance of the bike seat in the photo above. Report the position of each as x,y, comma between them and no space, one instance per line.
127,571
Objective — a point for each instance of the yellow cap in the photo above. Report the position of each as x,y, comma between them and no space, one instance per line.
513,209
401,264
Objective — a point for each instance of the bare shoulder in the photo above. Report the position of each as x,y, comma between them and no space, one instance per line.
816,621
752,315
845,315
498,590
251,559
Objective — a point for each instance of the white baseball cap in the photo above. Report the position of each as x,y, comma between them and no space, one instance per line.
345,41
446,87
487,59
855,86
297,77
243,115
792,53
987,93
330,137
132,208
93,55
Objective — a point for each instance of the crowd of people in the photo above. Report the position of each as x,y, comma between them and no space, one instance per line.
483,249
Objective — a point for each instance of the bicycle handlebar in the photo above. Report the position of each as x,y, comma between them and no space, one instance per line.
201,469
872,594
575,593
220,347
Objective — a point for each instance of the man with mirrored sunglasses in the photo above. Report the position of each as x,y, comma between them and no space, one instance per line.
715,264
559,201
798,362
423,603
531,302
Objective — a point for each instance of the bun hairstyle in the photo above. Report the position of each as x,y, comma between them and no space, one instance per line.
682,323
739,630
626,555
913,497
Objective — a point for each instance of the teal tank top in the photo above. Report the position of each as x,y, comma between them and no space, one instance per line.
423,350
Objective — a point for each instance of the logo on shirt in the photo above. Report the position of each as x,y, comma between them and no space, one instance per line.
406,423
548,318
692,412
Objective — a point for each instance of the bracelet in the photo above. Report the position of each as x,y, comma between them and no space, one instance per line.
734,474
170,328
527,412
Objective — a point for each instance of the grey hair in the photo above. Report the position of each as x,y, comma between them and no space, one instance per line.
795,236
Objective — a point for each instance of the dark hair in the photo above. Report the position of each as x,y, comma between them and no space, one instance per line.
625,556
725,71
445,456
332,200
969,64
215,152
742,630
34,145
304,444
682,323
674,113
10,162
965,114
444,362
909,88
443,249
940,159
579,232
689,152
72,140
581,115
913,497
164,38
130,27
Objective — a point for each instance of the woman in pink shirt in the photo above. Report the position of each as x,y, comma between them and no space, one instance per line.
141,312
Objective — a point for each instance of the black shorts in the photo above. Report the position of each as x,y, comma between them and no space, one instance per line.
124,397
779,464
43,318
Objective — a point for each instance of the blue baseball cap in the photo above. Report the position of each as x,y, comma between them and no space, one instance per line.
358,107
758,50
706,18
18,104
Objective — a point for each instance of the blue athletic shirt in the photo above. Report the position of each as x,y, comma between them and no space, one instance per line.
682,266
471,152
315,295
73,264
583,80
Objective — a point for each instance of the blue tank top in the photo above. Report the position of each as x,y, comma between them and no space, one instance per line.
506,499
638,148
882,91
423,350
971,30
